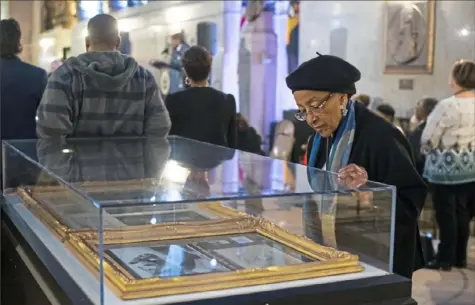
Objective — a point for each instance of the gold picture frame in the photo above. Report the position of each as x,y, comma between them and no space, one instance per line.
325,261
61,230
413,23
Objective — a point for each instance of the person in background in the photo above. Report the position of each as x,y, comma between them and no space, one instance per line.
449,140
352,141
177,78
423,109
201,112
54,66
387,112
247,137
363,99
21,86
375,102
101,93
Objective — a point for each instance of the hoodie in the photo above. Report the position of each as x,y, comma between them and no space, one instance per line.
101,94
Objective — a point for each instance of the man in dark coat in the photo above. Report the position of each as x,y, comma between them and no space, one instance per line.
359,145
21,89
21,86
423,109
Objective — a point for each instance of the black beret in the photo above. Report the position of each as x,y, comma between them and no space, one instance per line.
324,73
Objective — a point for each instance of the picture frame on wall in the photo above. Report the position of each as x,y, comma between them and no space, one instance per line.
409,34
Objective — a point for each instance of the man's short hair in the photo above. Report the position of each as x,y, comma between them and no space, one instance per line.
10,36
428,105
363,99
103,29
387,110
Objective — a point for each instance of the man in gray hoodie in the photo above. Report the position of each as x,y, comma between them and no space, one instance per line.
101,93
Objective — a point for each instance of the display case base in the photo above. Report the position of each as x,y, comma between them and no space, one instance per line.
385,290
32,274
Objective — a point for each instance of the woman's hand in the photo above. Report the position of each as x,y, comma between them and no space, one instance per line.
352,176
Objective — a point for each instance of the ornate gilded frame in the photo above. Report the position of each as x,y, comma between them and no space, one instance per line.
430,29
86,248
62,231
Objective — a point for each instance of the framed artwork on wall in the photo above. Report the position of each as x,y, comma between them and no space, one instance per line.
409,33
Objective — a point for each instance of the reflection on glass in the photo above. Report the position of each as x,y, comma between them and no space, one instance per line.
171,166
206,255
170,217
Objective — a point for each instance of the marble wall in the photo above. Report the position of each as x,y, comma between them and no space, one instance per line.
359,27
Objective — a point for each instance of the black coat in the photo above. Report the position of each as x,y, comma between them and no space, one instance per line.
415,141
386,155
203,114
250,141
21,88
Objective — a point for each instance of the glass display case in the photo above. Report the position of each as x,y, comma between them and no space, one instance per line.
161,221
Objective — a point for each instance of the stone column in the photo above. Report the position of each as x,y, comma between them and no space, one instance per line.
230,50
262,44
284,98
229,78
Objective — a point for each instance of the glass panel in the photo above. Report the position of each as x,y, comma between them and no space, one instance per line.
45,212
177,170
159,217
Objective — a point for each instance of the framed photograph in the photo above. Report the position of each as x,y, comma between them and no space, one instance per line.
63,211
409,35
152,261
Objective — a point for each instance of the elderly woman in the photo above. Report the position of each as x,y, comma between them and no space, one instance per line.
359,145
449,137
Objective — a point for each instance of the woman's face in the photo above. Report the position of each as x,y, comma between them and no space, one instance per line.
322,109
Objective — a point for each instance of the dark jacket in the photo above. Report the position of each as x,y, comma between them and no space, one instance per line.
386,155
101,94
203,114
21,88
415,141
249,140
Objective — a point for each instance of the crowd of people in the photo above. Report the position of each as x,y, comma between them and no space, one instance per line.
442,139
103,93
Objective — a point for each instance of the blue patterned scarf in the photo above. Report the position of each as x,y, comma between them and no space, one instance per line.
341,147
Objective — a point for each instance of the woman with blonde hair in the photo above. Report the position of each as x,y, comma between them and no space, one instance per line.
449,141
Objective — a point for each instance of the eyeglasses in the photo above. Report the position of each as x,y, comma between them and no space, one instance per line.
302,115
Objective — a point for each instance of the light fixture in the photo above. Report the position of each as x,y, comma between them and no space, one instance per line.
46,43
464,32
